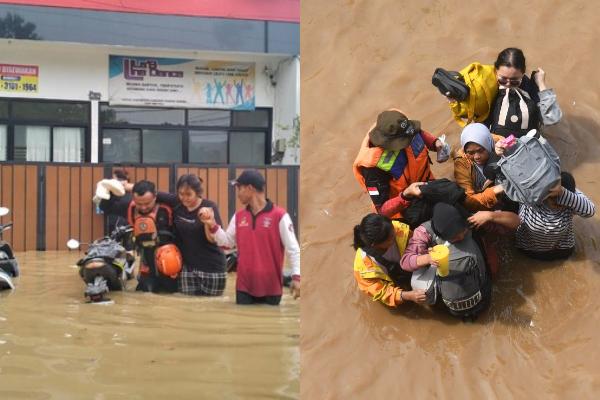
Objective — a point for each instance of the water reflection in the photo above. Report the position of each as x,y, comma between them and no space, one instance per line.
143,346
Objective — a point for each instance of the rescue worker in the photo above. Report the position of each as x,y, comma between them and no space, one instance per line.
393,162
153,236
379,244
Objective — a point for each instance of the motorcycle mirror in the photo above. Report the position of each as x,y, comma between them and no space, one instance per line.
4,211
73,244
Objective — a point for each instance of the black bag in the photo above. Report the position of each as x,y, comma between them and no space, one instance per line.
437,190
450,81
512,123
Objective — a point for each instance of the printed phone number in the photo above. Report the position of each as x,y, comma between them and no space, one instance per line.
25,87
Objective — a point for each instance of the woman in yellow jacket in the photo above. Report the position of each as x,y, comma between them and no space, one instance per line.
477,144
379,245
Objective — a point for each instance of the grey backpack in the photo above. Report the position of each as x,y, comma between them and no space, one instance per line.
530,168
465,291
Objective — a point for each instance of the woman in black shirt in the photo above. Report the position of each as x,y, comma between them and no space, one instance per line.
204,270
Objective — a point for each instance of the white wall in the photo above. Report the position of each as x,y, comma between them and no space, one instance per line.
287,104
69,71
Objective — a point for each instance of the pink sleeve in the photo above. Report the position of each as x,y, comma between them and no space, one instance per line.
429,140
417,245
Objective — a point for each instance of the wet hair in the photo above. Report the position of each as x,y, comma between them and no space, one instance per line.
373,229
567,181
143,187
193,181
121,174
511,57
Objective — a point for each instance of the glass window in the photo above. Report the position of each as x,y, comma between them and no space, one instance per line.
121,145
208,147
160,146
68,144
247,148
145,116
44,111
3,109
256,118
3,142
209,117
32,143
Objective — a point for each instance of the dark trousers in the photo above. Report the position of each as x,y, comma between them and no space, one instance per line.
245,298
551,255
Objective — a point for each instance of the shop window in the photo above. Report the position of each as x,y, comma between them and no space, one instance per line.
139,116
3,142
160,146
51,111
209,117
256,118
121,145
3,109
32,143
208,147
247,148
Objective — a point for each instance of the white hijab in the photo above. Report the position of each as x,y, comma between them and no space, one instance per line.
477,133
480,134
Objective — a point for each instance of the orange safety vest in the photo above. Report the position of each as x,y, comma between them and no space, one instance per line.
406,166
145,231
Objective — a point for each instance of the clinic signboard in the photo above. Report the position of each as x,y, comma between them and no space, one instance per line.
181,83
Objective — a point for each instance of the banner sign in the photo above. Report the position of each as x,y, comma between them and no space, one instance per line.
19,78
170,82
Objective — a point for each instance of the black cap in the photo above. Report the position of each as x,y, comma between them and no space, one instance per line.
250,177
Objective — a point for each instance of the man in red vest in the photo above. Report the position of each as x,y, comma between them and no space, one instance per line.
393,162
261,232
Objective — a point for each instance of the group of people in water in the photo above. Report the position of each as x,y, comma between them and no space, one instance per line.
182,232
394,261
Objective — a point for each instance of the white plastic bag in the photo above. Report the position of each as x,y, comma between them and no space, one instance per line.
443,154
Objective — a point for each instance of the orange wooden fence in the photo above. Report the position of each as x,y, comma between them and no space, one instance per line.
51,203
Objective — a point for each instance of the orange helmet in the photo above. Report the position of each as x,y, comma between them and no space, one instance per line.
168,260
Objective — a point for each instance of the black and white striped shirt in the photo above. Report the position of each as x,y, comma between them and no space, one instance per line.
542,229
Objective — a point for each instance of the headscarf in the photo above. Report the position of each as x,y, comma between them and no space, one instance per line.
479,134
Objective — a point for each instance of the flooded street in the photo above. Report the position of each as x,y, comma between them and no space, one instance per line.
539,337
144,346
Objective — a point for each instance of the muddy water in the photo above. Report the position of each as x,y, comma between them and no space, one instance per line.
539,337
144,346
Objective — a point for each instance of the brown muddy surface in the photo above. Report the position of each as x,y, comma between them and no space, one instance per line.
540,335
144,346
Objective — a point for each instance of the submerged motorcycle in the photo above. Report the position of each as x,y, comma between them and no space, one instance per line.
9,267
106,265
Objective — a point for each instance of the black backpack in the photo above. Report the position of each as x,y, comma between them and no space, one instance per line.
466,291
512,122
437,190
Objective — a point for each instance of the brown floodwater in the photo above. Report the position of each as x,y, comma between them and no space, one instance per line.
540,335
144,346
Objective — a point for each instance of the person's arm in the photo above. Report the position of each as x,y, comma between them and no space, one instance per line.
431,142
493,220
222,238
416,255
217,217
170,199
549,110
577,202
288,238
383,290
485,200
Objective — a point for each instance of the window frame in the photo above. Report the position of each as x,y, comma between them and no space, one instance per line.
12,122
186,128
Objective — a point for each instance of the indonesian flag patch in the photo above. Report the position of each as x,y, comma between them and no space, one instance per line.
373,191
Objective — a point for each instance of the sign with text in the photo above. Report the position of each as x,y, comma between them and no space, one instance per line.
169,82
19,78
